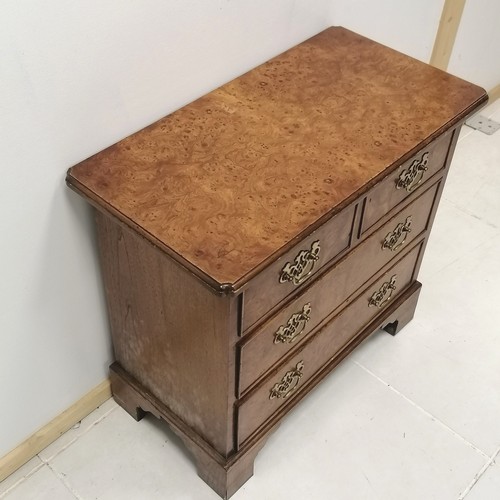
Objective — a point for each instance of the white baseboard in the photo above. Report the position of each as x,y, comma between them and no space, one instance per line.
50,432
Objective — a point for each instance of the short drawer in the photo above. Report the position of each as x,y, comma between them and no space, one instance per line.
286,382
409,177
291,325
287,274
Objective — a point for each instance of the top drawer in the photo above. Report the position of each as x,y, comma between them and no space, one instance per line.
405,180
298,265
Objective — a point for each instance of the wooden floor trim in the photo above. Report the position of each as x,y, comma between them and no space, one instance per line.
446,33
50,432
494,93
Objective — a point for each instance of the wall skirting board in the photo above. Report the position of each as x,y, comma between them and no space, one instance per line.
50,432
494,93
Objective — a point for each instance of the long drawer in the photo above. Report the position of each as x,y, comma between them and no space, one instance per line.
301,317
283,384
296,267
410,176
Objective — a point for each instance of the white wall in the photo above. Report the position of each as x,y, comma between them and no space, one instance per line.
406,25
76,77
476,53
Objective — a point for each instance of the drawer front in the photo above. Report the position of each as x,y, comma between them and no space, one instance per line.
291,325
297,266
409,177
285,383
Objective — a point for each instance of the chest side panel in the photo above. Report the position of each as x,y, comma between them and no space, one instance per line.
170,332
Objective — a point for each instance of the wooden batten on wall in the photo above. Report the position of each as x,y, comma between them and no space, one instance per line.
447,32
50,432
445,39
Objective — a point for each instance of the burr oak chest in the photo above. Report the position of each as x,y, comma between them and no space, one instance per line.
252,239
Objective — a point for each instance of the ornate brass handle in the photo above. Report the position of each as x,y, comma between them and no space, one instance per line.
397,237
384,294
294,326
288,384
413,175
302,266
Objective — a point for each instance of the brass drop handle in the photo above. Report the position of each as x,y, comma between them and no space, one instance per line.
288,384
384,294
294,326
410,178
302,266
396,238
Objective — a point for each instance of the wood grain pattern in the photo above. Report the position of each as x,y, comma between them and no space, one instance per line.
171,334
399,312
199,213
258,353
256,303
257,407
226,183
385,196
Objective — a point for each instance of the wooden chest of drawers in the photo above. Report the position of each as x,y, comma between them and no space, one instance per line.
251,240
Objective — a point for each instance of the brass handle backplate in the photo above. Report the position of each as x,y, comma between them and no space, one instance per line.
294,326
384,294
413,175
288,384
302,266
396,238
